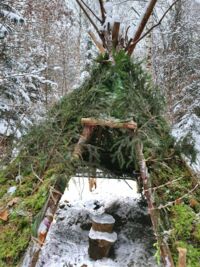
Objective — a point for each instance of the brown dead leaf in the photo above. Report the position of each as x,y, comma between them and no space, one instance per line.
12,202
4,215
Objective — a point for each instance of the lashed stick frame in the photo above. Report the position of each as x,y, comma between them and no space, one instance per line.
89,125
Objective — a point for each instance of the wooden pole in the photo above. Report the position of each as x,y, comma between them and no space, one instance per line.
85,136
154,215
141,26
115,34
182,257
97,43
109,123
90,19
102,11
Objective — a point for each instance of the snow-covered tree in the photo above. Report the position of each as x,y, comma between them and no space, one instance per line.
176,56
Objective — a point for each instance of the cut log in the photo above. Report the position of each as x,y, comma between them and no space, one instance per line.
101,236
109,123
103,223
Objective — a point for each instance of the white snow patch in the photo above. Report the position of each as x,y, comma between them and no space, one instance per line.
108,8
67,241
11,190
107,190
168,264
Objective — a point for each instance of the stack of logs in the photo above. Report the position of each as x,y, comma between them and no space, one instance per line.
101,236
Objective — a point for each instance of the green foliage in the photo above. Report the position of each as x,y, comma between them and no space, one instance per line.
183,220
193,254
196,233
14,240
157,255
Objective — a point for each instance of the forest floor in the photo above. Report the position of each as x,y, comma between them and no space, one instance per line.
67,241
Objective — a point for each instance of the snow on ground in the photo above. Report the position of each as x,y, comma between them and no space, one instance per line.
67,242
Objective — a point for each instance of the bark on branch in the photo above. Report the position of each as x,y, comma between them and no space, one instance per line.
90,19
91,11
84,138
108,123
97,43
165,251
157,24
141,26
115,34
102,11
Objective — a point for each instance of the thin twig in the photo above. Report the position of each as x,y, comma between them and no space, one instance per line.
163,185
35,174
90,19
92,12
180,198
102,11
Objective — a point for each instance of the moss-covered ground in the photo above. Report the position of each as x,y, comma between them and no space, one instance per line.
122,91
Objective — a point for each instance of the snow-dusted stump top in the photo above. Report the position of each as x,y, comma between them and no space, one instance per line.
103,219
110,237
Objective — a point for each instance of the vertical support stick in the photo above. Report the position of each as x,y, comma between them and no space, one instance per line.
165,251
115,34
182,257
85,136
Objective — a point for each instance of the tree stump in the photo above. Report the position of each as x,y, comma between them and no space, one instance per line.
101,236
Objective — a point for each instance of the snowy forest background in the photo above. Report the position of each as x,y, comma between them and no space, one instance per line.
45,52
